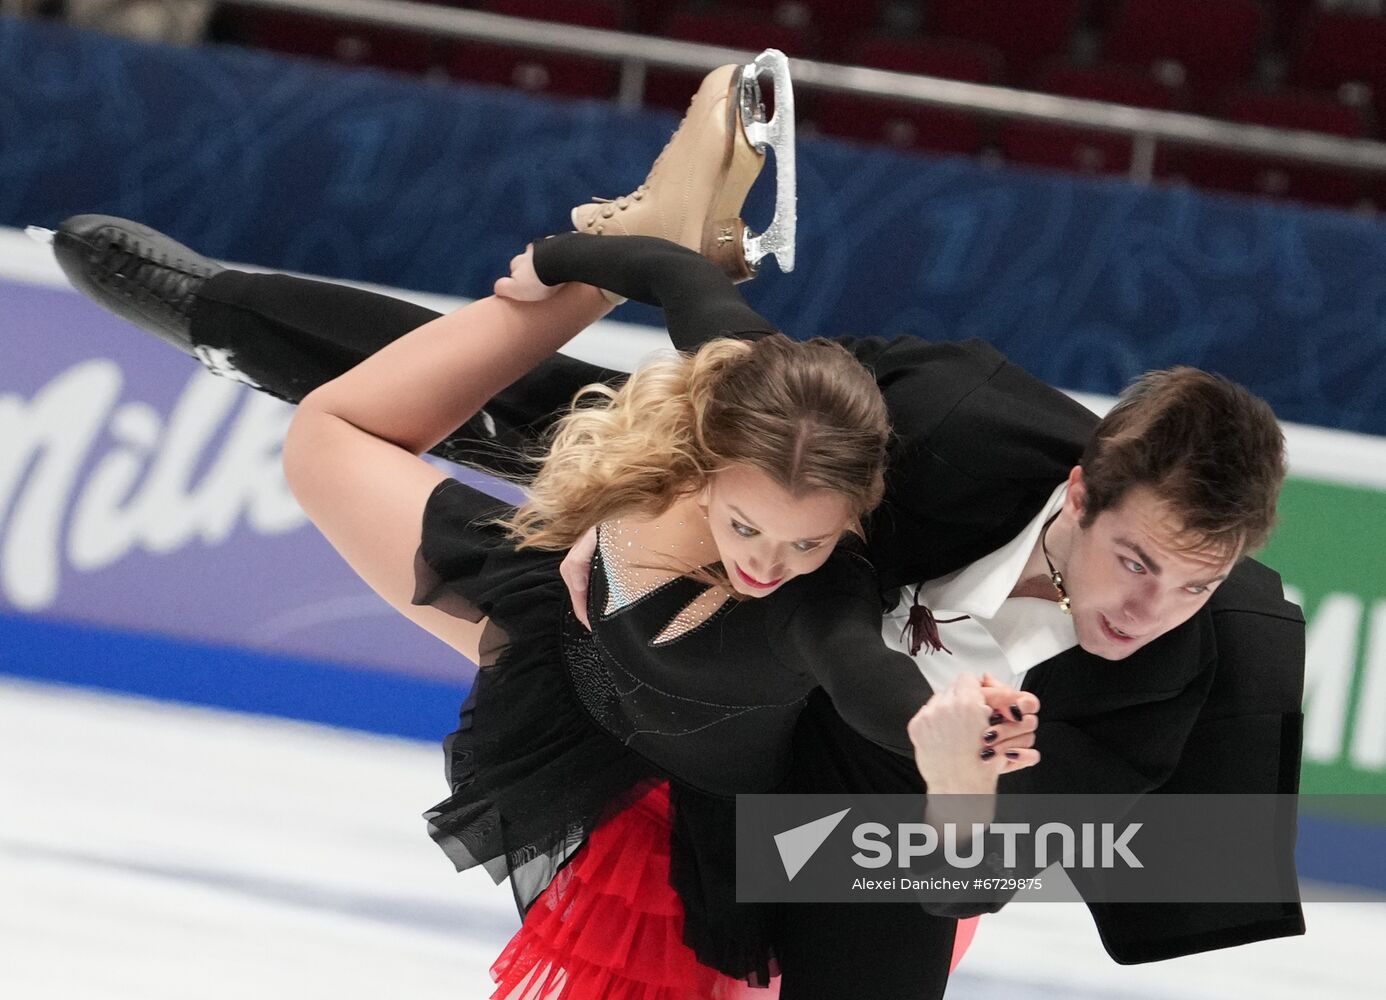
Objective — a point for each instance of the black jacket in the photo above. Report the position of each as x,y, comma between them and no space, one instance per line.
1212,706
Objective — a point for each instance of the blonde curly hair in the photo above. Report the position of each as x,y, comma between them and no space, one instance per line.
805,413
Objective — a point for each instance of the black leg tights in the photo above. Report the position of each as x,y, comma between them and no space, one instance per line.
293,334
290,335
834,951
886,951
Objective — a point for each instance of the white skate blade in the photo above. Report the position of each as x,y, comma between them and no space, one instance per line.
40,235
777,133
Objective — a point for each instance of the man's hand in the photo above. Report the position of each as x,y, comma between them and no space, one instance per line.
523,284
576,570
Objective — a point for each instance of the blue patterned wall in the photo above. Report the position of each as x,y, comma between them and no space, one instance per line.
361,175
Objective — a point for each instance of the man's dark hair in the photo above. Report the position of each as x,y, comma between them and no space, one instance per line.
1211,451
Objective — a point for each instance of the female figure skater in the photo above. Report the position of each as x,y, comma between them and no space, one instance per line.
728,583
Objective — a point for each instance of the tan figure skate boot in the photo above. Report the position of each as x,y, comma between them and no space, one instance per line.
698,184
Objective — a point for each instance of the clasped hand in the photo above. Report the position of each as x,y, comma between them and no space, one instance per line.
971,732
523,284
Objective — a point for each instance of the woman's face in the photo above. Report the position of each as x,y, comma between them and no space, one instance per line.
766,536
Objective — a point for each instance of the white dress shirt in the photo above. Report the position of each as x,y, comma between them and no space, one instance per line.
1002,635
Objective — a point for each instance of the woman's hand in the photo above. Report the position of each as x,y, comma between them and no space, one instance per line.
576,571
1010,731
523,284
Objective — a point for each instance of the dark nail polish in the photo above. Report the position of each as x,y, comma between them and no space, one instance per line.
1013,754
996,719
1016,713
989,736
988,753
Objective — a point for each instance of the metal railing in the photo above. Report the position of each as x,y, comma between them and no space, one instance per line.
634,53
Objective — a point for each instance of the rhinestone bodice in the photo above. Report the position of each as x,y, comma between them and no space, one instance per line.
684,674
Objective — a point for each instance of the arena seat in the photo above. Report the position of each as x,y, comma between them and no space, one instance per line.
542,72
1343,52
1088,150
908,125
1282,178
722,26
1026,34
836,24
332,39
1216,44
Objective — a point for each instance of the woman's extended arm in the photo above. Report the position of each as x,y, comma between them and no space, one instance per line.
699,301
351,456
830,628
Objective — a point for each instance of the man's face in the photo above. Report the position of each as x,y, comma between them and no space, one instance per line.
1131,575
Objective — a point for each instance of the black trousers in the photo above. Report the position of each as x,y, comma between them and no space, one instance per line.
291,335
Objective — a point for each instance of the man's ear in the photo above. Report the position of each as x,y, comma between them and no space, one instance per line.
1076,503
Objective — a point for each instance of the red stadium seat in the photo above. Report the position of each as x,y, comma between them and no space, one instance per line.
584,13
1282,178
543,72
1102,13
731,28
836,23
833,22
325,38
1216,43
1289,19
1086,150
736,29
913,126
1026,34
1343,49
937,57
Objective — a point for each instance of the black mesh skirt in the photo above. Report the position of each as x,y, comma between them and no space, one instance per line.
531,772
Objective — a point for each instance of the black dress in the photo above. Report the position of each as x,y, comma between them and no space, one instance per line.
566,727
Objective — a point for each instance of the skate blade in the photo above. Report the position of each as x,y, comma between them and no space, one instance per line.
777,133
40,235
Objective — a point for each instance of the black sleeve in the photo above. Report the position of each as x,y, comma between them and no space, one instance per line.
1254,706
978,447
699,301
832,633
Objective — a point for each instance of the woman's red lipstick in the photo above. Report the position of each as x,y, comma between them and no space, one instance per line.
751,581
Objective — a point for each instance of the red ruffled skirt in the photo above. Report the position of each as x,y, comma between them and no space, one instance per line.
610,926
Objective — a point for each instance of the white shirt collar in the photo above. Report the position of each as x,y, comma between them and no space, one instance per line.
1002,635
979,588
